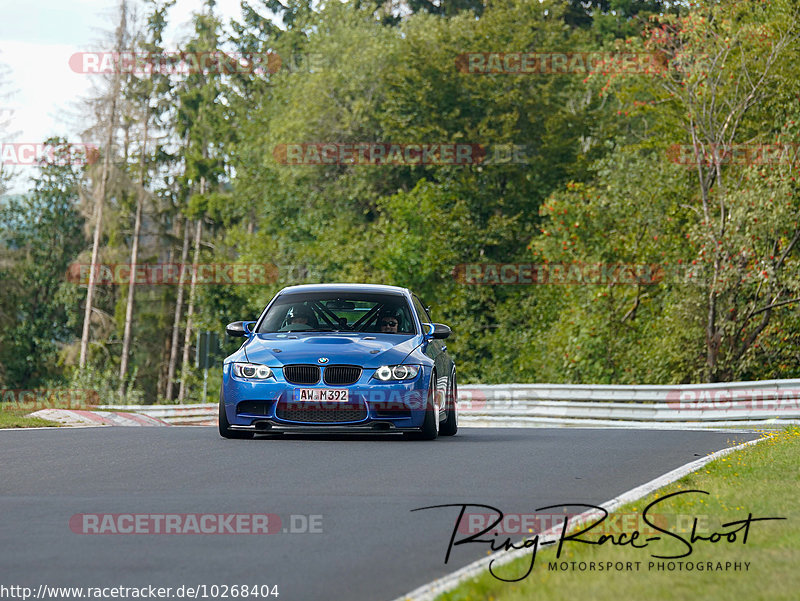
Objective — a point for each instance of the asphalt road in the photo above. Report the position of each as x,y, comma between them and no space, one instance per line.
371,547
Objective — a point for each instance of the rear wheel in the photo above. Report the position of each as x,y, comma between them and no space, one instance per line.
450,425
224,427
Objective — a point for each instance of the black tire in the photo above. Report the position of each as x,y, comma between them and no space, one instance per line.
449,426
224,427
429,429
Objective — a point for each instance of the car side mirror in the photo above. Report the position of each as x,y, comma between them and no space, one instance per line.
437,331
238,329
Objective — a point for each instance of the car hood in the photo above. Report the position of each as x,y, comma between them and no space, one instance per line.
276,350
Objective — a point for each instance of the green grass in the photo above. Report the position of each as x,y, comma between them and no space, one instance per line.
15,418
763,479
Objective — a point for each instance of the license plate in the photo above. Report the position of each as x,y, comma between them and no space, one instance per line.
336,395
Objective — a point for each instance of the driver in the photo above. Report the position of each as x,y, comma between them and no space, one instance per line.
388,323
301,314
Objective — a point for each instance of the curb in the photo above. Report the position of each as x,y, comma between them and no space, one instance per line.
76,418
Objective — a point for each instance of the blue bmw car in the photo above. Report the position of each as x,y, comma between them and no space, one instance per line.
340,357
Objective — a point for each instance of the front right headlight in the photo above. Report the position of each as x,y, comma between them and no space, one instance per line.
252,371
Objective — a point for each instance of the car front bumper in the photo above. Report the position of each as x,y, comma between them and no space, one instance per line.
374,406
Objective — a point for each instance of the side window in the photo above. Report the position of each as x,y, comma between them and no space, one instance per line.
420,309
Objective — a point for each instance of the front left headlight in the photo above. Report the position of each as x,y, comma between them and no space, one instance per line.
396,372
252,371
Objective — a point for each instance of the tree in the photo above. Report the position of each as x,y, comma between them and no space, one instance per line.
102,183
153,87
729,59
40,235
203,124
725,78
6,121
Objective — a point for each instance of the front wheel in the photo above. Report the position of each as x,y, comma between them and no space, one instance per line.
224,427
450,425
430,425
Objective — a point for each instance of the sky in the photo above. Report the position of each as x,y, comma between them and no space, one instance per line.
39,90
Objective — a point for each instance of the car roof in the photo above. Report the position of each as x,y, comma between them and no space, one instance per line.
379,288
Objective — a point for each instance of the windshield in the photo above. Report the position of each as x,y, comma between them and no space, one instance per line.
339,311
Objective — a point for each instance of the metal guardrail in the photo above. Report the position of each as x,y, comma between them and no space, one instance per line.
691,405
760,403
